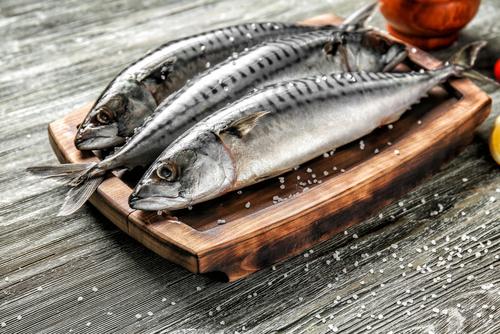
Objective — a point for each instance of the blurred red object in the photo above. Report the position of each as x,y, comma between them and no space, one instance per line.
428,24
497,70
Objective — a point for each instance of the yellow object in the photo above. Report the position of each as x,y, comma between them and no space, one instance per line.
495,141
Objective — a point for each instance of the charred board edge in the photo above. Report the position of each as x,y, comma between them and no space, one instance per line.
202,252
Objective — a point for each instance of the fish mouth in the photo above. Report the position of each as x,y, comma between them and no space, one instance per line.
98,138
155,203
98,143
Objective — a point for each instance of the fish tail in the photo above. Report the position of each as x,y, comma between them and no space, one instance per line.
359,18
83,180
466,57
78,195
463,61
62,170
395,55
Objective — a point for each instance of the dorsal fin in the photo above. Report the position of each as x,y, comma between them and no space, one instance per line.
241,127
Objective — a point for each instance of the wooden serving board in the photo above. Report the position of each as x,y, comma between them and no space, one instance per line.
353,184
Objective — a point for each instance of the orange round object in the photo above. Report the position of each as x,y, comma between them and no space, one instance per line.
428,24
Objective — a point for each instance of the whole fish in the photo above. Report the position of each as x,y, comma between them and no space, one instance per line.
291,57
137,90
296,55
282,126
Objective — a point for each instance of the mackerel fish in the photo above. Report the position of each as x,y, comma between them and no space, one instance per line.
294,56
138,90
282,126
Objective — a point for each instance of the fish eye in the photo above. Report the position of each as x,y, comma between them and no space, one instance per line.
167,171
104,116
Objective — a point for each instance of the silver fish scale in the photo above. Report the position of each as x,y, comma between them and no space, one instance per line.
193,52
308,117
307,91
270,62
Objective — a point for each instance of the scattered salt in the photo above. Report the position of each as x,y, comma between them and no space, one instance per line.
487,286
333,328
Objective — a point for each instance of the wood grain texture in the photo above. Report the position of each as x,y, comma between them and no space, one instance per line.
56,56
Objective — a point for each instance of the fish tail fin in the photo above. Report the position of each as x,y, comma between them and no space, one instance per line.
359,18
62,170
465,58
84,180
78,195
463,61
394,56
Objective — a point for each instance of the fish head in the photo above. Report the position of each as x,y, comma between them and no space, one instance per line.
365,50
118,111
193,169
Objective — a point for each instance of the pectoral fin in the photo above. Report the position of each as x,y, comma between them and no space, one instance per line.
161,72
243,126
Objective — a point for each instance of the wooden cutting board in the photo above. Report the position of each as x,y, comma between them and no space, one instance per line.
280,218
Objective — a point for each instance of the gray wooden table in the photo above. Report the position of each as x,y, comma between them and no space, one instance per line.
428,264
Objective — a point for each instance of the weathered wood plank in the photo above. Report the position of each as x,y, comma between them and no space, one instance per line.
58,55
